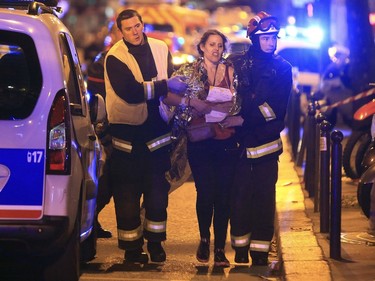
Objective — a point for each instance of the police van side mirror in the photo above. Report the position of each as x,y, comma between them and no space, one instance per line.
97,109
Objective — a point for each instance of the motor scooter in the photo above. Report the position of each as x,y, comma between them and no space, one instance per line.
366,198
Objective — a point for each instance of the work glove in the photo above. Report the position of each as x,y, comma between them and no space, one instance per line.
177,84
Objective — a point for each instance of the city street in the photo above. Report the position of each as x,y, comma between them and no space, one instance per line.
181,244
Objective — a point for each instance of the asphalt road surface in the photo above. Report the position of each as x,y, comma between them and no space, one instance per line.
181,245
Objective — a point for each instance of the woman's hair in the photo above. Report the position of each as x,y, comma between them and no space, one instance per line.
207,34
127,14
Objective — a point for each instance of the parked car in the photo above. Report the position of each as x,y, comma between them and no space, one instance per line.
49,153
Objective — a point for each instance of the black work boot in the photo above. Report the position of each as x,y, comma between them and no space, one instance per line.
259,258
220,260
101,232
242,255
260,262
203,252
136,256
156,251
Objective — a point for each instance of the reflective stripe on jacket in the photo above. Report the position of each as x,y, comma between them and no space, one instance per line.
265,149
152,144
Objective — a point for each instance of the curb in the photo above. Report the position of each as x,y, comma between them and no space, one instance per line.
298,249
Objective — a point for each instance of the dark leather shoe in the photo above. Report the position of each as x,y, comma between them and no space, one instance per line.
242,255
102,233
156,251
260,262
203,252
220,259
136,256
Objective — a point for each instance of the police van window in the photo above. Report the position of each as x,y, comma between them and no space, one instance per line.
72,76
78,73
20,76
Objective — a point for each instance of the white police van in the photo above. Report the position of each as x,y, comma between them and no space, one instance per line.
49,153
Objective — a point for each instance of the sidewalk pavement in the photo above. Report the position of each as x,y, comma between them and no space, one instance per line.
303,250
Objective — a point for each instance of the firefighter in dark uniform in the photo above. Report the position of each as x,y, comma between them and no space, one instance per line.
264,85
136,79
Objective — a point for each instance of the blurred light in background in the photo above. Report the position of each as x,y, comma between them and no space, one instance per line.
291,30
179,59
372,18
314,34
109,12
181,41
310,10
291,20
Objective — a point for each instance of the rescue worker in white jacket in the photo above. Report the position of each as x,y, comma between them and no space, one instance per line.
264,85
136,79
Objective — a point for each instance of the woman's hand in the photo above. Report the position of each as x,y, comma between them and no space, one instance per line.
200,106
231,121
224,107
172,99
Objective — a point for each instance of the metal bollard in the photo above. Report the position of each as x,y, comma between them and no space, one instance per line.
294,122
318,120
301,149
335,233
325,153
309,175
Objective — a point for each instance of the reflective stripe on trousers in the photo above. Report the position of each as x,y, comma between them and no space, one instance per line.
155,226
260,246
240,241
130,235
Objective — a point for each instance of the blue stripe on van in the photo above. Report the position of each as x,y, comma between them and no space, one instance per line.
26,176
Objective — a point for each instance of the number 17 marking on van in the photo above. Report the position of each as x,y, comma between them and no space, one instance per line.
34,156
